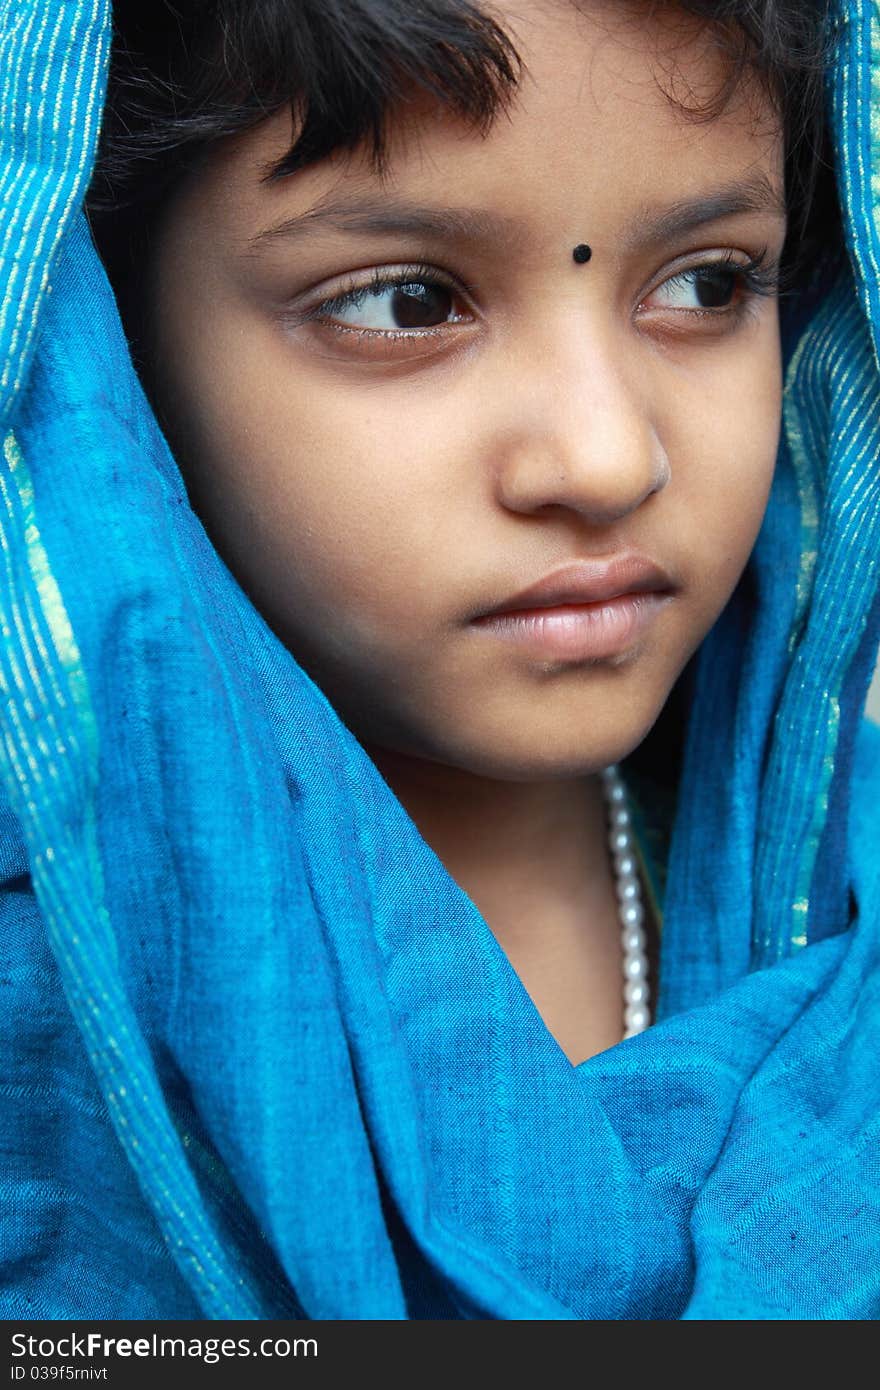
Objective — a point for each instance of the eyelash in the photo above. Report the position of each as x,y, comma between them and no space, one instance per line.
758,277
418,273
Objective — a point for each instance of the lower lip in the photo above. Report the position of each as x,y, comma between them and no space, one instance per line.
578,632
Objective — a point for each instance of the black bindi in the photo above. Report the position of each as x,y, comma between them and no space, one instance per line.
582,253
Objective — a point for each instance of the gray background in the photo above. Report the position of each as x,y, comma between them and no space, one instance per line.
874,697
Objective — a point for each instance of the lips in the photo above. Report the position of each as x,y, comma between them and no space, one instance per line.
587,581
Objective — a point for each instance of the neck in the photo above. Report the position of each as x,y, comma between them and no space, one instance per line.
512,846
533,857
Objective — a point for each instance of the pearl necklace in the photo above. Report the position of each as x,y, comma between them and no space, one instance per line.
636,1014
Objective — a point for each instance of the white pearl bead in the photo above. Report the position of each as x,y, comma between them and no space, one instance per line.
636,992
630,909
632,915
635,967
636,1017
628,888
633,941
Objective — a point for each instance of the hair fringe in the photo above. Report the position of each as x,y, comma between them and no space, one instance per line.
185,75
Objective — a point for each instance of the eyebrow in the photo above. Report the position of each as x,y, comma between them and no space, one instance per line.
756,194
385,217
373,216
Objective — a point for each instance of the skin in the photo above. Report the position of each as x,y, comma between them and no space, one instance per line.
373,494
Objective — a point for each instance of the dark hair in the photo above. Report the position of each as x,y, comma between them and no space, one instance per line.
186,73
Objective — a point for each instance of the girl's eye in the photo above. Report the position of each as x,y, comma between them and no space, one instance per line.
715,287
392,305
705,287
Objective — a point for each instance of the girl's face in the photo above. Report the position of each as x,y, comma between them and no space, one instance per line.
398,401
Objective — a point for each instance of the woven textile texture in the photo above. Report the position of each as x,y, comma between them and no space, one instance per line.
262,1057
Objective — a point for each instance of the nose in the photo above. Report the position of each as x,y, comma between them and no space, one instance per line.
579,435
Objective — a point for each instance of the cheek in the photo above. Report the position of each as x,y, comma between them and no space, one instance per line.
733,437
318,501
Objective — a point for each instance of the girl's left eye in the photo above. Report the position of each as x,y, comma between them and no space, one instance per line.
405,302
714,287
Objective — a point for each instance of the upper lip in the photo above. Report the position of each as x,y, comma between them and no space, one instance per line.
588,581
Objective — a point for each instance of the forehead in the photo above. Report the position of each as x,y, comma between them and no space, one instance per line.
608,120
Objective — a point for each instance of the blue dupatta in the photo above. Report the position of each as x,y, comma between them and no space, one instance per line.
263,1057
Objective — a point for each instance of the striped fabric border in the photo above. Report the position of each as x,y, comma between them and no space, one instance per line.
53,65
832,413
47,146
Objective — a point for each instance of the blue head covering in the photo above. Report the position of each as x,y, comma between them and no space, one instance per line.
264,1056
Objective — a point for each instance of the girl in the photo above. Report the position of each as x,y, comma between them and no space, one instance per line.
438,804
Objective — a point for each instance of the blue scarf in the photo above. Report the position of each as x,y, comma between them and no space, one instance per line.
262,1055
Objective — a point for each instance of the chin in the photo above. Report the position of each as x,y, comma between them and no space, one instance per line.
542,755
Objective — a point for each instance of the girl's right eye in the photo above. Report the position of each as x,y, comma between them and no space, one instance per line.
411,301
